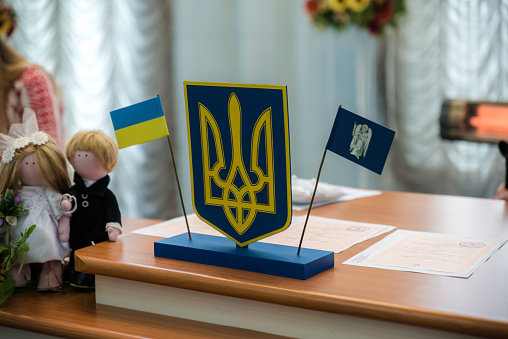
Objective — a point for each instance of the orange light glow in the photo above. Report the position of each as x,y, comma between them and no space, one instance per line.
491,118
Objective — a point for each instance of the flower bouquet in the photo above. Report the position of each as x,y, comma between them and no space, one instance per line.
7,20
374,15
10,251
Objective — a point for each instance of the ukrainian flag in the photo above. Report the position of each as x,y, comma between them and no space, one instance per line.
139,123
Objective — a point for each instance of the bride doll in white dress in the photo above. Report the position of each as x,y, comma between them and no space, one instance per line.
35,168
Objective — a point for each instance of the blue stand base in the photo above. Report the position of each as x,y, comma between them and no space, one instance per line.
258,257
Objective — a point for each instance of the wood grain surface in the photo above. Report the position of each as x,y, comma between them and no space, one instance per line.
477,305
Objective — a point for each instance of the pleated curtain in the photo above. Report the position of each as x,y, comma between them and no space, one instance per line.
106,55
109,54
449,49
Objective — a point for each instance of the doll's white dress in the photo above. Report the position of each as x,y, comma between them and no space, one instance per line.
43,205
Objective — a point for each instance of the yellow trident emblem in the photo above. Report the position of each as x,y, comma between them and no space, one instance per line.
239,197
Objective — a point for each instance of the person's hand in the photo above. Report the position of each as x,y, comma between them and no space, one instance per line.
501,192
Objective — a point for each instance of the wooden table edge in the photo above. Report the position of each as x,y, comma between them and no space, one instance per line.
348,306
28,321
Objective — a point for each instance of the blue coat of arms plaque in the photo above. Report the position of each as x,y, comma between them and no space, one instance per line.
239,158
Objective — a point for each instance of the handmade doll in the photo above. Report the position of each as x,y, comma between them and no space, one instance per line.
34,167
93,155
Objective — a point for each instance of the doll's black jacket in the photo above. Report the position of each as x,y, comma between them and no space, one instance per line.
96,206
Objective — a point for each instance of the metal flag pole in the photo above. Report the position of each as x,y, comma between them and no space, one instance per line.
312,200
313,194
178,184
179,189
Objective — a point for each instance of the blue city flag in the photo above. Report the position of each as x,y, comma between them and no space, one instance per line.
360,140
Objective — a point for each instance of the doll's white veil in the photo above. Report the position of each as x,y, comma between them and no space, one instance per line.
20,130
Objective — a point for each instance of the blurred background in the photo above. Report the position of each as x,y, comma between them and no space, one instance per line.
109,54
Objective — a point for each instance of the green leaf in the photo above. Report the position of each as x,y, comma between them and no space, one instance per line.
6,261
23,248
16,249
26,234
9,197
7,287
22,262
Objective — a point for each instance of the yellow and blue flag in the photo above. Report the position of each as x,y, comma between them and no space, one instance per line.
360,140
139,123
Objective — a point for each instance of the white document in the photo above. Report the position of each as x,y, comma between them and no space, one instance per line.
429,253
327,234
321,233
347,193
177,226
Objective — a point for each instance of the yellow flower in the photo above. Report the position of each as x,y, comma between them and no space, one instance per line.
5,23
357,5
338,6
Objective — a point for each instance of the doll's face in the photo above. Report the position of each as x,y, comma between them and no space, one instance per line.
29,174
87,166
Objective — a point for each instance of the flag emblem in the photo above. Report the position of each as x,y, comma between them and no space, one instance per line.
361,139
139,123
240,165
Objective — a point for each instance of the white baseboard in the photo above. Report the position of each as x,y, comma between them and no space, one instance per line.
254,315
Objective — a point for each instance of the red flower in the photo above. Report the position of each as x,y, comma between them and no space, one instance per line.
11,30
384,12
375,27
312,7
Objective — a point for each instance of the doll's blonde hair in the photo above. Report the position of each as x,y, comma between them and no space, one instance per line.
50,163
96,141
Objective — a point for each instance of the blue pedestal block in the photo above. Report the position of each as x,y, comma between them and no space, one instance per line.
258,257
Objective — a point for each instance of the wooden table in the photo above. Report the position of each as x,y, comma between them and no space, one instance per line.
73,313
363,301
